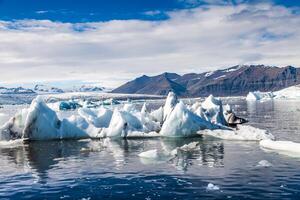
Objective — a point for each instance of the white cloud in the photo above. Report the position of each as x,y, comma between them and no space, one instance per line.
191,40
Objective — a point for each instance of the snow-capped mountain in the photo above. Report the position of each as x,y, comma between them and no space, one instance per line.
89,88
40,88
18,90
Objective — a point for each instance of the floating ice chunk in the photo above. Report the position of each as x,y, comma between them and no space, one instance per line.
189,147
212,187
258,96
285,147
214,110
170,104
42,123
110,101
153,154
181,122
68,105
98,117
243,132
14,127
264,163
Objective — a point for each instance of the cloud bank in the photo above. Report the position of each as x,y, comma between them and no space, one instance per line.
190,40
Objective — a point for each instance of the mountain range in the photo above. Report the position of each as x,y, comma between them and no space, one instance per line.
233,81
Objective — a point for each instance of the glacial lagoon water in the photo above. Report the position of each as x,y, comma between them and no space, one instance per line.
111,169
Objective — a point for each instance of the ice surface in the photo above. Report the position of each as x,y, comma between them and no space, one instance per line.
99,117
243,132
286,147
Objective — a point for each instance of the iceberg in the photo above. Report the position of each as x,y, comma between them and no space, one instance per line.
170,104
181,122
292,92
259,96
243,132
39,122
213,110
174,119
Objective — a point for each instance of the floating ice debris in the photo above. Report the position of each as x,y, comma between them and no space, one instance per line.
264,163
68,105
212,187
110,101
285,147
243,132
189,147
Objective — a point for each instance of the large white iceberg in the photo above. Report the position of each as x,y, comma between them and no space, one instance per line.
259,96
181,122
292,92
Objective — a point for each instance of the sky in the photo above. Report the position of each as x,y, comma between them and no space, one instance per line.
109,42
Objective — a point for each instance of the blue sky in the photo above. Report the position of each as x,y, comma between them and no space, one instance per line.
104,10
107,42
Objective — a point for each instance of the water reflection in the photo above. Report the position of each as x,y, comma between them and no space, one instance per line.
41,157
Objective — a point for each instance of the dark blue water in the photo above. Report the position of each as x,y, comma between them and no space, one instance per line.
105,169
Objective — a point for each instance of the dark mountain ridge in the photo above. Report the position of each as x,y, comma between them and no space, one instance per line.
233,81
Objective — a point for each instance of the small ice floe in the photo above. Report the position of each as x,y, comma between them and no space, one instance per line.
151,154
212,187
243,132
288,148
264,163
154,156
